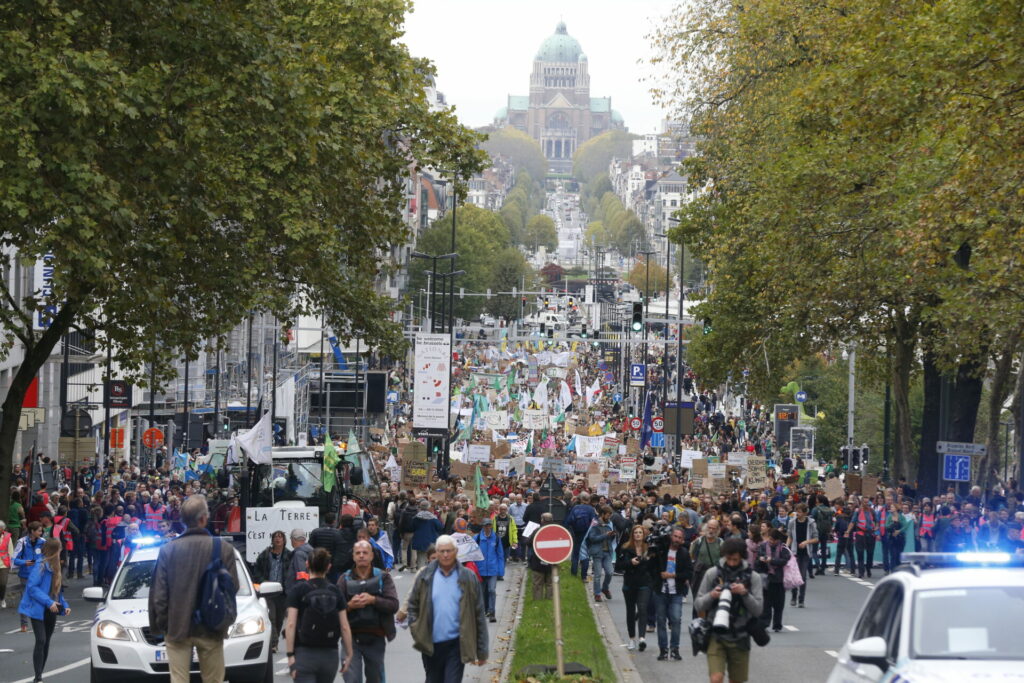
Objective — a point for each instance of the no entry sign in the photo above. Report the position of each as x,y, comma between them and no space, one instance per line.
152,438
552,544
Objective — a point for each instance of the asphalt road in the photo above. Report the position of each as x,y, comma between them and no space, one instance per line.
69,650
804,650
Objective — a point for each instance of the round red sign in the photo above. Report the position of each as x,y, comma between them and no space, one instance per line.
552,544
635,424
152,438
658,424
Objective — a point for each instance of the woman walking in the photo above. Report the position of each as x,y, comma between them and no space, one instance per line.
43,600
634,561
774,554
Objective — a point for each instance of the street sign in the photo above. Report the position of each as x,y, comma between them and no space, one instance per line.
658,424
152,438
118,394
956,467
635,423
960,448
637,372
117,437
801,396
617,397
552,544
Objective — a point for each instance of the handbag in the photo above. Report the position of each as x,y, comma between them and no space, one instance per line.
791,574
700,635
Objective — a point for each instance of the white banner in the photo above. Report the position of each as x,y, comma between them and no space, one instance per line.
535,419
496,419
261,523
589,446
433,365
687,457
738,458
478,452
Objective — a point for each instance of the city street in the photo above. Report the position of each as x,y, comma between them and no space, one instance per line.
804,650
69,652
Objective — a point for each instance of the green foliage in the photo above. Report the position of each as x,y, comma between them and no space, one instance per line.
185,163
594,155
541,232
522,203
649,280
510,271
615,226
582,642
480,239
520,149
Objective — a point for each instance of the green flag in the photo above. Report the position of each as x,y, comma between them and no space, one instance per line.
511,380
330,464
353,450
483,501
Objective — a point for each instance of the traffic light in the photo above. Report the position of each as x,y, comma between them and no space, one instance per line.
543,328
844,453
584,331
638,316
545,302
864,455
707,326
855,463
225,426
551,333
570,301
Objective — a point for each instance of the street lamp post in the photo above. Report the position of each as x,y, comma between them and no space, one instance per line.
647,310
433,258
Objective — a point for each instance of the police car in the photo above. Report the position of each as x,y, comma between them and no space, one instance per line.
122,647
940,617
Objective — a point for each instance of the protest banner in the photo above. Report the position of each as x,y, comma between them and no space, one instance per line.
478,452
502,465
833,489
611,447
535,419
686,458
261,523
699,467
806,477
496,419
853,483
738,458
869,486
757,477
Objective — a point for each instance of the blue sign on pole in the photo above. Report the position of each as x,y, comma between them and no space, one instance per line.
637,374
658,440
617,397
801,396
956,467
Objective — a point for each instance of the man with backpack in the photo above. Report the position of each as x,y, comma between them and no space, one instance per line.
406,527
578,522
371,601
824,519
195,574
316,621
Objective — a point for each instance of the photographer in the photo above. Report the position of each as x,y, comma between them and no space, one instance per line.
734,589
673,570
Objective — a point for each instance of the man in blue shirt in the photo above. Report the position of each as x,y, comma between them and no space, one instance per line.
446,616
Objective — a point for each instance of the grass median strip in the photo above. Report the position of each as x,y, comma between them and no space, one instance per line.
535,635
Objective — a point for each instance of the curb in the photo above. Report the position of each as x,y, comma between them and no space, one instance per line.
505,647
622,663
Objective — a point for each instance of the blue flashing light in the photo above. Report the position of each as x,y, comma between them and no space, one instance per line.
142,541
983,558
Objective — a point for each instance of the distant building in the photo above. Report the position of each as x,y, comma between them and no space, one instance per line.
559,112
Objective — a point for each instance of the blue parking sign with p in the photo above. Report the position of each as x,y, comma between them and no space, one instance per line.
636,374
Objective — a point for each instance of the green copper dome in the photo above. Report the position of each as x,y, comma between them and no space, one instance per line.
561,47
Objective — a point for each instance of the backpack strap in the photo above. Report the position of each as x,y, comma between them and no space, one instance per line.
216,548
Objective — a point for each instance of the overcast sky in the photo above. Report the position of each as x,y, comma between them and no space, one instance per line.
484,49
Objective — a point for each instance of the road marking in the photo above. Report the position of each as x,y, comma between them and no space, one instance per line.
6,650
47,674
790,628
13,630
832,653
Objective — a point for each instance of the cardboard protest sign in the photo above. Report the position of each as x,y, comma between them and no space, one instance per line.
853,483
869,486
496,419
699,467
502,449
603,488
833,489
478,452
674,490
462,469
502,464
738,458
415,473
535,419
633,447
413,451
757,476
686,458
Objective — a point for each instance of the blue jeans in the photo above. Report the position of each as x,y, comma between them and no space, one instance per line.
490,586
577,542
602,567
445,665
670,606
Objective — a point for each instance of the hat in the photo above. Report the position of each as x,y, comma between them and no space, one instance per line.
461,525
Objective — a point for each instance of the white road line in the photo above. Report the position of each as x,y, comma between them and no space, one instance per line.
832,653
790,628
13,630
47,674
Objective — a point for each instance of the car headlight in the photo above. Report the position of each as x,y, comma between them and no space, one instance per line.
111,630
247,627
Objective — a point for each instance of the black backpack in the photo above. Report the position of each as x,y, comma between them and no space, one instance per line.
405,520
215,607
318,619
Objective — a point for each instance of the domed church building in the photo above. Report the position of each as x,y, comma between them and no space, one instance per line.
559,112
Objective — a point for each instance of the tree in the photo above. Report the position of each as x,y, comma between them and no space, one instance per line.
520,149
593,156
649,280
182,164
541,232
480,236
510,271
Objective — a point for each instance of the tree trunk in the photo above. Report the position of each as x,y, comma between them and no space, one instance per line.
928,461
902,362
998,391
36,356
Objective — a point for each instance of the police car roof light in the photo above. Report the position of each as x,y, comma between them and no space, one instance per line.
142,541
963,559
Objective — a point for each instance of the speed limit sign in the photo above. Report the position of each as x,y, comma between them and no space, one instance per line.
658,424
635,423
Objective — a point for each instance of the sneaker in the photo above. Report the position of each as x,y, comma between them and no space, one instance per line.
662,655
3,604
597,597
777,630
650,629
631,645
607,594
836,573
675,654
493,619
642,645
24,628
792,603
801,605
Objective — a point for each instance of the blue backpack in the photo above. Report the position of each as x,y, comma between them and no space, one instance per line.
216,608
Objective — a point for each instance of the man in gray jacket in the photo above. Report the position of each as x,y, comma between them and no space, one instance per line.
301,550
729,648
172,599
802,536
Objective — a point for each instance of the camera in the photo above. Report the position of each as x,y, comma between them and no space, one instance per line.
723,613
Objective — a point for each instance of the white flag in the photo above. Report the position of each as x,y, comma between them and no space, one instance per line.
593,391
579,384
565,397
540,395
257,442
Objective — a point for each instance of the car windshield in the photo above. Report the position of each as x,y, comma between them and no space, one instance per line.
968,623
133,581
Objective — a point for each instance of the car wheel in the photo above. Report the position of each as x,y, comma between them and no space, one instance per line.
94,676
268,673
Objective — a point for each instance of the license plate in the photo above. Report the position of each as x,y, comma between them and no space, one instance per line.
161,655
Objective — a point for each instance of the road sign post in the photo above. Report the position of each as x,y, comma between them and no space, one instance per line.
553,545
637,374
